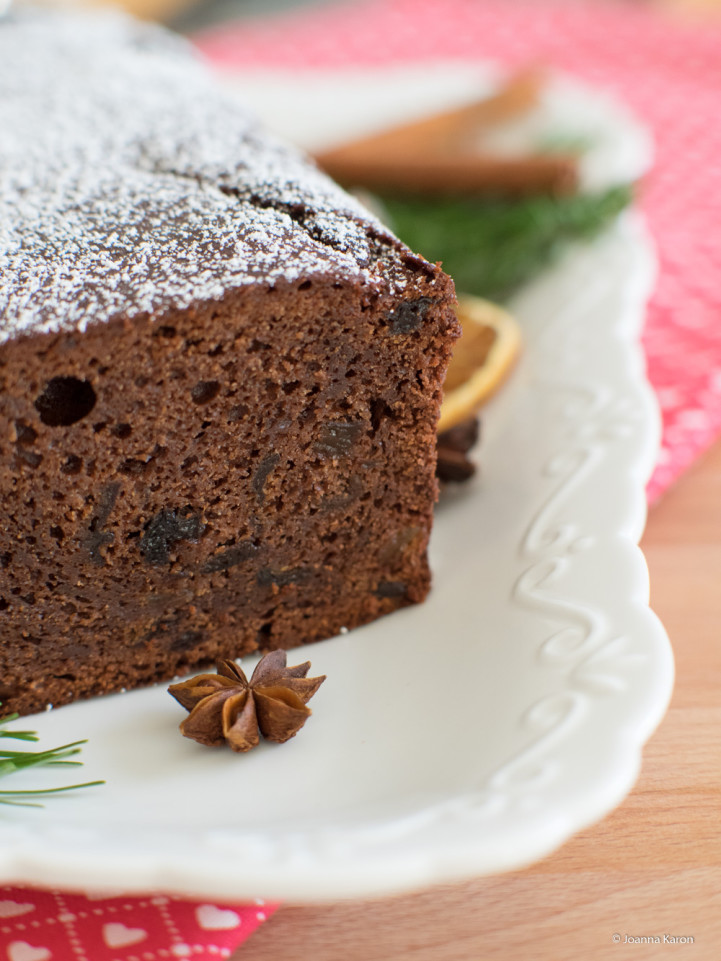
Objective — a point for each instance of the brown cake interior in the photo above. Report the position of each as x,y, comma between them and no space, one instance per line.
220,376
246,474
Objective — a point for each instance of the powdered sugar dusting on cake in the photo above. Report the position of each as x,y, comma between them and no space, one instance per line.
130,182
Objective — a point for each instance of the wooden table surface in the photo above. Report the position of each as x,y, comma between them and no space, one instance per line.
651,868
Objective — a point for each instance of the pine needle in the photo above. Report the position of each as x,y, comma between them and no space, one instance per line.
13,761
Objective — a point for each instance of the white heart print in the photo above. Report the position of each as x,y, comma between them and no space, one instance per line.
22,951
118,936
211,918
13,909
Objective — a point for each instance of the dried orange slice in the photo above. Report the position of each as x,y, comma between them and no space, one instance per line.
482,359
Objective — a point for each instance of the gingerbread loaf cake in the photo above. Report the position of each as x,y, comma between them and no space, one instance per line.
219,376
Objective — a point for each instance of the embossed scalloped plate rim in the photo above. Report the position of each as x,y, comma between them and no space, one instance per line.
470,735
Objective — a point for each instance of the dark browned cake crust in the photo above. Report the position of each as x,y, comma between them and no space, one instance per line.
190,476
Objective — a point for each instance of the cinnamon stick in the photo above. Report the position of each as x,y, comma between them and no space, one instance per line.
448,131
439,154
461,173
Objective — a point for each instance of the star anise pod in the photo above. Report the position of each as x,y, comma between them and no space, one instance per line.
453,464
227,707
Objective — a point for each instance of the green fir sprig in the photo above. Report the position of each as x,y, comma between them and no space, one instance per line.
13,761
491,246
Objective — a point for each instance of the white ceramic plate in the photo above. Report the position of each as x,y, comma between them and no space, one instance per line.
469,735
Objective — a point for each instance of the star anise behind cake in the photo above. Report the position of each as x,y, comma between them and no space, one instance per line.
227,707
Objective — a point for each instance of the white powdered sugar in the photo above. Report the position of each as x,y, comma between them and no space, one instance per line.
130,182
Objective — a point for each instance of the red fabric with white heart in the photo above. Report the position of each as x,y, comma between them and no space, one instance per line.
671,75
667,70
52,926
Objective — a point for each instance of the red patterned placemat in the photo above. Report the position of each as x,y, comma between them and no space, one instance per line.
669,72
40,925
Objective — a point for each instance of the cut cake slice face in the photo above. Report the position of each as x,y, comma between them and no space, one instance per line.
221,377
